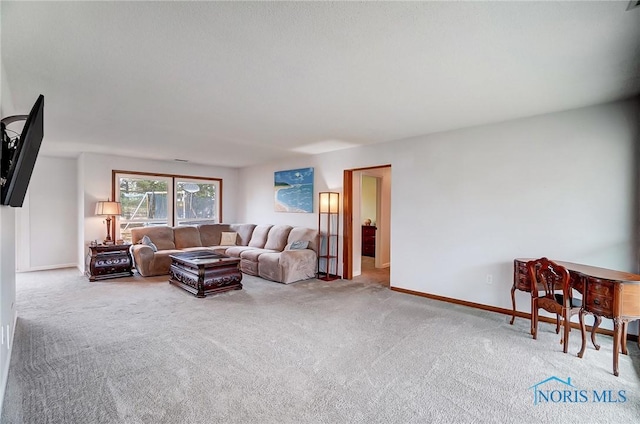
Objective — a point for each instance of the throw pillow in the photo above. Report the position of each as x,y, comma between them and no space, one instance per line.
146,240
299,245
228,238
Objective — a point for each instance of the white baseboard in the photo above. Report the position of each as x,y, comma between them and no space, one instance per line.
48,267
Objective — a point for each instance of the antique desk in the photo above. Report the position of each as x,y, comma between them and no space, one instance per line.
605,293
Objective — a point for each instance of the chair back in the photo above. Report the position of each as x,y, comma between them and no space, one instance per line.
547,279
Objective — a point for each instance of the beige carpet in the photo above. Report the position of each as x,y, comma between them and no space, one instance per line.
143,351
371,274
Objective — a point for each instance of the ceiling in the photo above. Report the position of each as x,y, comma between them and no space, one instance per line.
240,83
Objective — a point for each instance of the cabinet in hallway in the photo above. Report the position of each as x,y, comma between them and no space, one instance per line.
369,240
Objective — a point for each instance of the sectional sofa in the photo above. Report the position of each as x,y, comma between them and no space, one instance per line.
274,252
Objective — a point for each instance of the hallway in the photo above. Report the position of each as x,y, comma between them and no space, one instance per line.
372,274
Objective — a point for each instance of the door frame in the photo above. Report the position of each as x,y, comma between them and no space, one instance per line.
347,216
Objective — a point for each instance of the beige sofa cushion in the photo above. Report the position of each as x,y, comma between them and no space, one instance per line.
229,238
304,234
253,254
186,237
161,236
277,238
210,233
259,236
245,231
236,251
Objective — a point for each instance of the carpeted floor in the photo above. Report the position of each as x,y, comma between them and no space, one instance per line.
371,274
142,351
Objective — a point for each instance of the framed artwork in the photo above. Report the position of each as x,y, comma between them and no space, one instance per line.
294,190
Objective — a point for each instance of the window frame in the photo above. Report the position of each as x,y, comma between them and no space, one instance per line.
216,182
171,206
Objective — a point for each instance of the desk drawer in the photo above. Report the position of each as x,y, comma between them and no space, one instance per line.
521,276
599,299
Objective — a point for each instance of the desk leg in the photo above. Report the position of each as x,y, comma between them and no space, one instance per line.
617,329
623,342
597,319
583,330
513,303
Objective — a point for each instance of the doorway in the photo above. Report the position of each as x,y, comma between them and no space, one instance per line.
367,224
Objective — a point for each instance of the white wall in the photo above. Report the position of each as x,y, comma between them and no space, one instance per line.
465,203
47,221
383,233
7,292
256,200
94,183
7,259
561,185
369,199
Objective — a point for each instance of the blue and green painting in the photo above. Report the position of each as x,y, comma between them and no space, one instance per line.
294,190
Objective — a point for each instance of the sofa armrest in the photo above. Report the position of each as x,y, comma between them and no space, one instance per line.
142,258
298,265
290,258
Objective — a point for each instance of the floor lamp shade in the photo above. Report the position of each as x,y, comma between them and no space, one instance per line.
329,202
108,209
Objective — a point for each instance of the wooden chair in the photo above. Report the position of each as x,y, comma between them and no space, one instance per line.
551,291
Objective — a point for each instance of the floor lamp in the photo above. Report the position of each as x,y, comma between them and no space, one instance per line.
328,229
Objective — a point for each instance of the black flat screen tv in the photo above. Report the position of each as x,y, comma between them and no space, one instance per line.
20,159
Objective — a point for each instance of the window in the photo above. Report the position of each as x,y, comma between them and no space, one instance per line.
155,199
196,201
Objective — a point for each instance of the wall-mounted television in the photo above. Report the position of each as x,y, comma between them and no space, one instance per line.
19,154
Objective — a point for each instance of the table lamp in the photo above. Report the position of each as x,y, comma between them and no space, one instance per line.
108,209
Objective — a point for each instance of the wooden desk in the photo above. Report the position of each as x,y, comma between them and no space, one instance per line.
605,293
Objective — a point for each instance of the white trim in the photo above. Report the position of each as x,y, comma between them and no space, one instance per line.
47,267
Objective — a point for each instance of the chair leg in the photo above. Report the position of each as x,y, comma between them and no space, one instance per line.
534,323
567,329
557,323
533,308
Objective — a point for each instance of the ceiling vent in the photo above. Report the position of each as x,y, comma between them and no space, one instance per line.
633,4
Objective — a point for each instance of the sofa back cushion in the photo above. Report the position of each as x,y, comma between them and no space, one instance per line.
277,238
259,236
304,234
161,236
244,233
186,236
210,234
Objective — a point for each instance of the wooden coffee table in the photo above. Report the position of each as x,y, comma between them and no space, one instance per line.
204,272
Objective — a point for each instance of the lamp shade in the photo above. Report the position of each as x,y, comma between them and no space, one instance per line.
108,208
329,202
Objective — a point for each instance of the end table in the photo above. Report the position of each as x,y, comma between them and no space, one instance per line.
108,261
